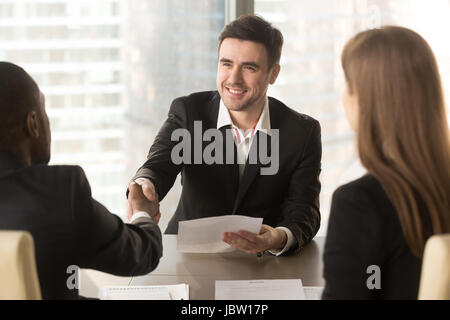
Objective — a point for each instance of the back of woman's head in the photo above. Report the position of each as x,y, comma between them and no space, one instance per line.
403,135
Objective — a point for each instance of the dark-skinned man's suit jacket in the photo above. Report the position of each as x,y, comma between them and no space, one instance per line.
289,198
54,204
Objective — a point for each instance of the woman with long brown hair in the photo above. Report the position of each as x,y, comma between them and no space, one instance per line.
379,223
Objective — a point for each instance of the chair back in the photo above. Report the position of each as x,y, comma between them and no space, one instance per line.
435,275
18,273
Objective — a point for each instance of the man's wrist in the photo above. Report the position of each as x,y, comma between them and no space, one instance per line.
139,214
282,236
288,244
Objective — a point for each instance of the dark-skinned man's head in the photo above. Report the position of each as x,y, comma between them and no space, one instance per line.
24,125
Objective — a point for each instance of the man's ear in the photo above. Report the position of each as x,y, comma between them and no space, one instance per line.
32,124
274,73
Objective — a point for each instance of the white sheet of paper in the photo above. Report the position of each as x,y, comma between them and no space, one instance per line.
291,289
134,293
179,291
205,235
170,292
313,293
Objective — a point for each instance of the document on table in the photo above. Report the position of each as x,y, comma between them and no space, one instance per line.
291,289
205,235
313,293
170,292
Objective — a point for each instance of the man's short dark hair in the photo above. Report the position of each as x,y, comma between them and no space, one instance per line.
19,94
254,28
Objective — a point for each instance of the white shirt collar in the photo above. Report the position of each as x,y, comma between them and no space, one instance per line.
263,125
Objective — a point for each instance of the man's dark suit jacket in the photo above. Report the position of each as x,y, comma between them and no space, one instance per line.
54,204
289,198
364,230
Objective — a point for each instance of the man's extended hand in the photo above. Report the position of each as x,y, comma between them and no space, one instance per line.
147,188
268,239
137,201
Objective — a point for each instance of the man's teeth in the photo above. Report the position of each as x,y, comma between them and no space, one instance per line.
236,91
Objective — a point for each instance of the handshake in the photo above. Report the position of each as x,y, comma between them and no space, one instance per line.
143,197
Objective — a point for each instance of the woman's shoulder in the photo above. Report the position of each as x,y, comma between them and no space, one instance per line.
365,192
366,184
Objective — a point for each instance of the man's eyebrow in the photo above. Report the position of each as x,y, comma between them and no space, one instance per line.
251,64
247,63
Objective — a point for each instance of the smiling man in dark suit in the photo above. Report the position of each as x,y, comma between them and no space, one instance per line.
288,197
54,203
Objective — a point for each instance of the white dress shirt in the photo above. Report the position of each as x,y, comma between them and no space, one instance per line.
139,214
243,141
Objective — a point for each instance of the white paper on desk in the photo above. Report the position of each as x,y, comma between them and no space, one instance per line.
313,293
134,293
205,235
291,289
179,291
170,292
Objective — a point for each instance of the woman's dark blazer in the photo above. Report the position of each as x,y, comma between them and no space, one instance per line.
364,231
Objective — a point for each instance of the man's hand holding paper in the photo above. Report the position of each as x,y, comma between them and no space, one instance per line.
268,239
205,235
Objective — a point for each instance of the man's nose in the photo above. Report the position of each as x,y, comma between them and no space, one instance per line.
235,76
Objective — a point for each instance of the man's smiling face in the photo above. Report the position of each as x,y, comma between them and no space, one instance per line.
243,74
